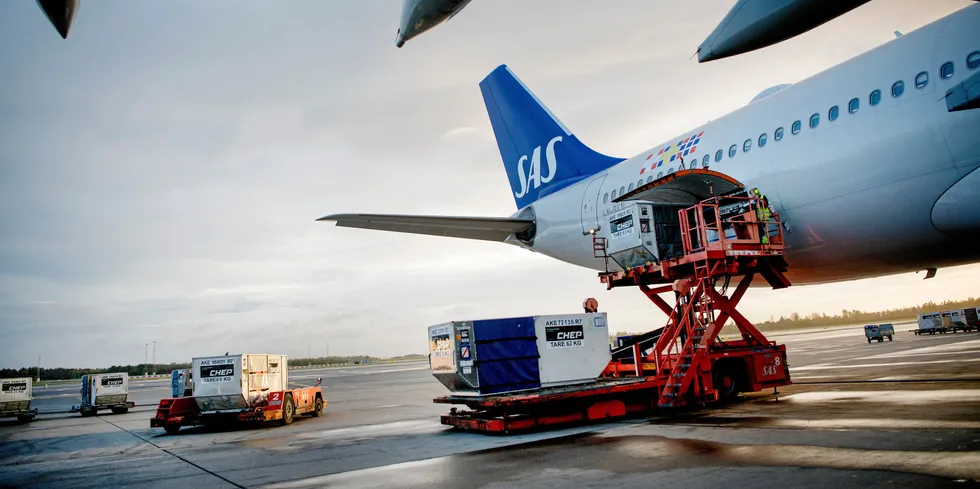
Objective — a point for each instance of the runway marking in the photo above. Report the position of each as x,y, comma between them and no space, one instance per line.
860,423
971,346
823,366
895,397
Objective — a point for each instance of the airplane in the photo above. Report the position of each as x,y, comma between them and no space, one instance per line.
61,13
871,172
419,16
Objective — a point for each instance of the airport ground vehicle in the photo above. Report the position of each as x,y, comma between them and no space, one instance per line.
879,332
239,388
690,251
948,321
15,399
104,391
181,383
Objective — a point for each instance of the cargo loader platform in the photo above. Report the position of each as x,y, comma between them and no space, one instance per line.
685,363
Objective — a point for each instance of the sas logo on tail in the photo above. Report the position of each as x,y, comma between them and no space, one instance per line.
532,175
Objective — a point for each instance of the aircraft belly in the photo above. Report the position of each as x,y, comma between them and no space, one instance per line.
887,229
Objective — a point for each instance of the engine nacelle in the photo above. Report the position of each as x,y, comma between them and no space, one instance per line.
755,24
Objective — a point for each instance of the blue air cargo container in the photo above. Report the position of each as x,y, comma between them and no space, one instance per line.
495,356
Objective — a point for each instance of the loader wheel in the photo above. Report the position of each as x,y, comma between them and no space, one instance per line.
318,407
171,428
288,410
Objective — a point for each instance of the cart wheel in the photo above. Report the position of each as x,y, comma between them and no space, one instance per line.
120,410
87,412
889,337
25,418
880,340
318,407
171,428
288,409
869,341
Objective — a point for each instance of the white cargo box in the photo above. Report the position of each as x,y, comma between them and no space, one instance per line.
641,233
105,389
14,393
929,321
237,382
505,355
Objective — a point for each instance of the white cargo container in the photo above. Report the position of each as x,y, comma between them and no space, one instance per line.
929,323
15,398
237,382
494,356
641,233
104,391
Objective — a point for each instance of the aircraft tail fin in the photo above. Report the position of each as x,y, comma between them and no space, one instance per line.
540,154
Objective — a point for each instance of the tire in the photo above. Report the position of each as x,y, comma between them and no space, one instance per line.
86,412
120,410
869,341
880,340
25,418
318,407
288,410
889,337
171,428
726,383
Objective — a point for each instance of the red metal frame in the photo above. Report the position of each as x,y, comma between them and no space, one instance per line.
679,368
184,411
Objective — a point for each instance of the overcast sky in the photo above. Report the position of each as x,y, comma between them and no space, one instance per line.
161,169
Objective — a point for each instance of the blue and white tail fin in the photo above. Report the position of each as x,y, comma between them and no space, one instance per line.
540,154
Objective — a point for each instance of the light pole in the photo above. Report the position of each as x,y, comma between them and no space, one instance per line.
146,365
328,352
39,368
309,361
154,363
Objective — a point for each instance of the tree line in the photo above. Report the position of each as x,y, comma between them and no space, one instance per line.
62,373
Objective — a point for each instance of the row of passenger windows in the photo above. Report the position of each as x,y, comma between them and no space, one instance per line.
874,98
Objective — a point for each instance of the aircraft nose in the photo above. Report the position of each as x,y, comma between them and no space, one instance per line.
61,13
956,213
399,39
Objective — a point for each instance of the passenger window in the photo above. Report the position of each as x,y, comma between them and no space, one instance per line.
854,105
650,179
639,183
732,150
814,121
660,174
762,139
921,80
718,155
670,171
898,89
796,127
747,145
622,190
631,188
694,164
778,134
973,60
874,98
834,112
946,70
704,161
605,198
614,194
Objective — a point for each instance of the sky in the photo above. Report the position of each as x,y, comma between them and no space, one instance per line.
161,169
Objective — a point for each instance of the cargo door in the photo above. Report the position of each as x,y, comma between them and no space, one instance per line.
277,369
590,205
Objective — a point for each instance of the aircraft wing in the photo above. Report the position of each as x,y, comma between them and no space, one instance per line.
482,228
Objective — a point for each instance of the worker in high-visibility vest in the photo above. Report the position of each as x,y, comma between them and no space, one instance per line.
763,213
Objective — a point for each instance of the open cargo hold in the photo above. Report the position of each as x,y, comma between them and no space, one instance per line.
245,387
15,398
104,391
494,356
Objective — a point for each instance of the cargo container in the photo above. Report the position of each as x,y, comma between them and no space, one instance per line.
15,399
181,383
954,321
929,323
245,387
641,233
512,354
971,317
104,391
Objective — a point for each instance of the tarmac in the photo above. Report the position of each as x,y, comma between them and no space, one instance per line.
904,413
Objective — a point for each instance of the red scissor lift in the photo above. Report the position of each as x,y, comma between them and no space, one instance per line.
685,362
